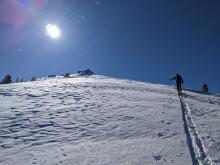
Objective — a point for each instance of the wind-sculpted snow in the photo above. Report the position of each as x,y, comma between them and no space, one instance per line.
93,120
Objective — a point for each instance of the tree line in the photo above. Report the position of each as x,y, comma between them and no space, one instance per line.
8,79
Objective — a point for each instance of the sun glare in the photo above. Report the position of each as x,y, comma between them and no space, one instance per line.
53,31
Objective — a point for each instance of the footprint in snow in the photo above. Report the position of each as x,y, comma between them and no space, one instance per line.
164,134
157,156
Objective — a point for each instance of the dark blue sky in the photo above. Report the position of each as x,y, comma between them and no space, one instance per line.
148,40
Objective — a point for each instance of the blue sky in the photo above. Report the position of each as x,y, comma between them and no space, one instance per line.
141,40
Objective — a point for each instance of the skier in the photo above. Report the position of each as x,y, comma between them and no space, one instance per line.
179,82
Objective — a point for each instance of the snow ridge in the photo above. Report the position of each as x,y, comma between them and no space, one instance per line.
195,144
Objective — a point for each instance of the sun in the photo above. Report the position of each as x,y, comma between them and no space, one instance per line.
53,31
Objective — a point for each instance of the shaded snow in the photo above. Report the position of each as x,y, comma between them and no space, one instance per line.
100,120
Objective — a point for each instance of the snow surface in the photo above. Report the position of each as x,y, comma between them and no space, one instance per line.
99,120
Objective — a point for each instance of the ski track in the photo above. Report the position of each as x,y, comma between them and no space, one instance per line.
195,144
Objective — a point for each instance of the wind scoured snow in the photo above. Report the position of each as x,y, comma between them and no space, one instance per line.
99,120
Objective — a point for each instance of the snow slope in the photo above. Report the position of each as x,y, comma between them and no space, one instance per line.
100,120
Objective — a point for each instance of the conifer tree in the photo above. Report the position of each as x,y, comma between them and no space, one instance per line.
205,88
7,79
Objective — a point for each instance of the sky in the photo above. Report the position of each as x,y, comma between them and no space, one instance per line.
141,40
